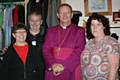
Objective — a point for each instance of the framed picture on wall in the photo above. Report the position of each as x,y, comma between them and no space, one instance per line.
116,16
103,7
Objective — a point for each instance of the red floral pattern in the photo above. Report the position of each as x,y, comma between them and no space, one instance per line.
94,60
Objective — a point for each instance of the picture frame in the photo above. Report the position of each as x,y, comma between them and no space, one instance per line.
116,16
103,7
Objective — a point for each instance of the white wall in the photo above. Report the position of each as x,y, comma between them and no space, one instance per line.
79,5
117,31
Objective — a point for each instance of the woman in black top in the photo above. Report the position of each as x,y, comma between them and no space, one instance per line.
21,62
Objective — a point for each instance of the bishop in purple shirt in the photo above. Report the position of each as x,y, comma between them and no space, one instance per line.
63,46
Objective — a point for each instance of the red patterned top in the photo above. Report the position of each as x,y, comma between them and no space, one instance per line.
94,59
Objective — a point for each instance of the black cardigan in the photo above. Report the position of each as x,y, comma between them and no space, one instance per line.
14,69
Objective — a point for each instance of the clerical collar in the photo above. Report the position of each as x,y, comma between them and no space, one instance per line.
65,27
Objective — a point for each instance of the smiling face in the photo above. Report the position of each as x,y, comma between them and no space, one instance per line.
35,21
65,15
20,35
97,28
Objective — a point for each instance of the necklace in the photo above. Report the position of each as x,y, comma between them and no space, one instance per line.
63,40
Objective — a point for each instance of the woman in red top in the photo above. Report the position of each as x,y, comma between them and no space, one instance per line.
20,61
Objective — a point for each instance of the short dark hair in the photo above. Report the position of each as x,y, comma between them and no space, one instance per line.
64,4
100,18
18,27
36,13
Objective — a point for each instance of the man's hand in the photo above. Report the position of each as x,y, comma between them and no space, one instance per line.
57,69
